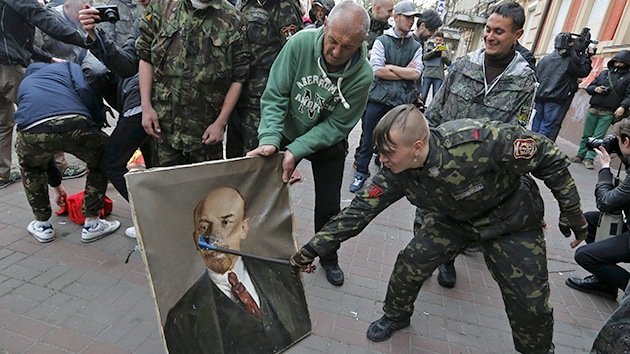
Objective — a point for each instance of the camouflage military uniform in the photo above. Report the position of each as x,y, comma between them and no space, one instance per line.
463,93
129,11
474,187
196,56
269,25
614,337
76,135
376,29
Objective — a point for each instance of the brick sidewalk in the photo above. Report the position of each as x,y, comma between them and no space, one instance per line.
72,297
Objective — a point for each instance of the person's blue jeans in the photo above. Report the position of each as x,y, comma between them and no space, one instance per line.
373,114
547,113
427,83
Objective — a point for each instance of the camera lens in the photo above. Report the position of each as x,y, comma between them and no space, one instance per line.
594,143
110,15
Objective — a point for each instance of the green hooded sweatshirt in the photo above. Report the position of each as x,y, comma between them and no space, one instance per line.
304,103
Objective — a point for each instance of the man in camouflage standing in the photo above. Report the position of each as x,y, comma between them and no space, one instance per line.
270,23
193,62
471,179
494,82
379,13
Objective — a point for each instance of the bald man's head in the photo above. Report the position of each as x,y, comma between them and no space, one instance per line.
221,217
382,10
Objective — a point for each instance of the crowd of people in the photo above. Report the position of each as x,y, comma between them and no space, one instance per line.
183,75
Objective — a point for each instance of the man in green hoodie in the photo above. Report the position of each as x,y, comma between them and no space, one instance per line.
316,92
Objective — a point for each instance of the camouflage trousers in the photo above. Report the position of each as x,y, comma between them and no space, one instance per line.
516,261
614,337
169,156
242,132
34,150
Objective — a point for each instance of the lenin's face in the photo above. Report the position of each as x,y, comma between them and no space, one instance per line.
221,216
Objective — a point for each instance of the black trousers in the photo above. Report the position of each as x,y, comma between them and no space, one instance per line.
327,165
601,258
128,136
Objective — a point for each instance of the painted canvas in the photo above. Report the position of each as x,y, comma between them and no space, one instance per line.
216,238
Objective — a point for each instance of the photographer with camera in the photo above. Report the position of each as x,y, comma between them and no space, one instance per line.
557,73
601,257
128,134
610,102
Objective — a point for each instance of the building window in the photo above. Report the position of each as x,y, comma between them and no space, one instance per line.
559,23
596,18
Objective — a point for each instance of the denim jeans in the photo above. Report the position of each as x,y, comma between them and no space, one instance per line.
547,114
427,82
373,114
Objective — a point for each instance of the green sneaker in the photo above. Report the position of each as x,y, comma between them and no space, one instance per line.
74,171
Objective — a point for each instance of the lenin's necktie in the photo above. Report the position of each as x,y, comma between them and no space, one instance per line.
238,289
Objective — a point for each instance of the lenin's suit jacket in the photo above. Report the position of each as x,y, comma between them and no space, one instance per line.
205,320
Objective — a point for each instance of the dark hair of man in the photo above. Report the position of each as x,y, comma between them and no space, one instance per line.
513,11
623,129
431,20
406,119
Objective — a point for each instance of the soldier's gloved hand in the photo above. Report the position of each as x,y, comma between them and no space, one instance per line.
576,223
303,259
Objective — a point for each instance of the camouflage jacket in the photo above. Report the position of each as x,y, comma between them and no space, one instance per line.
269,25
476,173
196,56
376,29
463,94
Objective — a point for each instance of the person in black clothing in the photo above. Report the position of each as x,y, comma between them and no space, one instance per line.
557,73
18,21
601,257
128,135
529,57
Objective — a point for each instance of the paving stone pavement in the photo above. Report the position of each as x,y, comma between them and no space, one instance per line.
66,296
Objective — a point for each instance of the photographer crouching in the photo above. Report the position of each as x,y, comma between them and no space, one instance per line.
600,258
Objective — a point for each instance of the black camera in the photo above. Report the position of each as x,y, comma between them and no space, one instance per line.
108,13
610,143
578,42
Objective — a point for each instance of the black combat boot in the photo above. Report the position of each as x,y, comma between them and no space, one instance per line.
383,328
447,275
593,285
334,274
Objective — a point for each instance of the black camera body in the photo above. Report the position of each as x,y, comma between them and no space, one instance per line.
610,143
108,13
579,42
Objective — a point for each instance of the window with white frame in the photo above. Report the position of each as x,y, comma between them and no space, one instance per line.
559,22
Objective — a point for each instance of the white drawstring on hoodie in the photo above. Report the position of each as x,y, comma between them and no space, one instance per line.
345,103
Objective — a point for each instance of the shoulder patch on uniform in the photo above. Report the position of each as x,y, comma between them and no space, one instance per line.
148,17
465,136
525,148
375,191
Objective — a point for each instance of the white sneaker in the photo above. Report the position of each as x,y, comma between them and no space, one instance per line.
102,229
42,233
130,232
